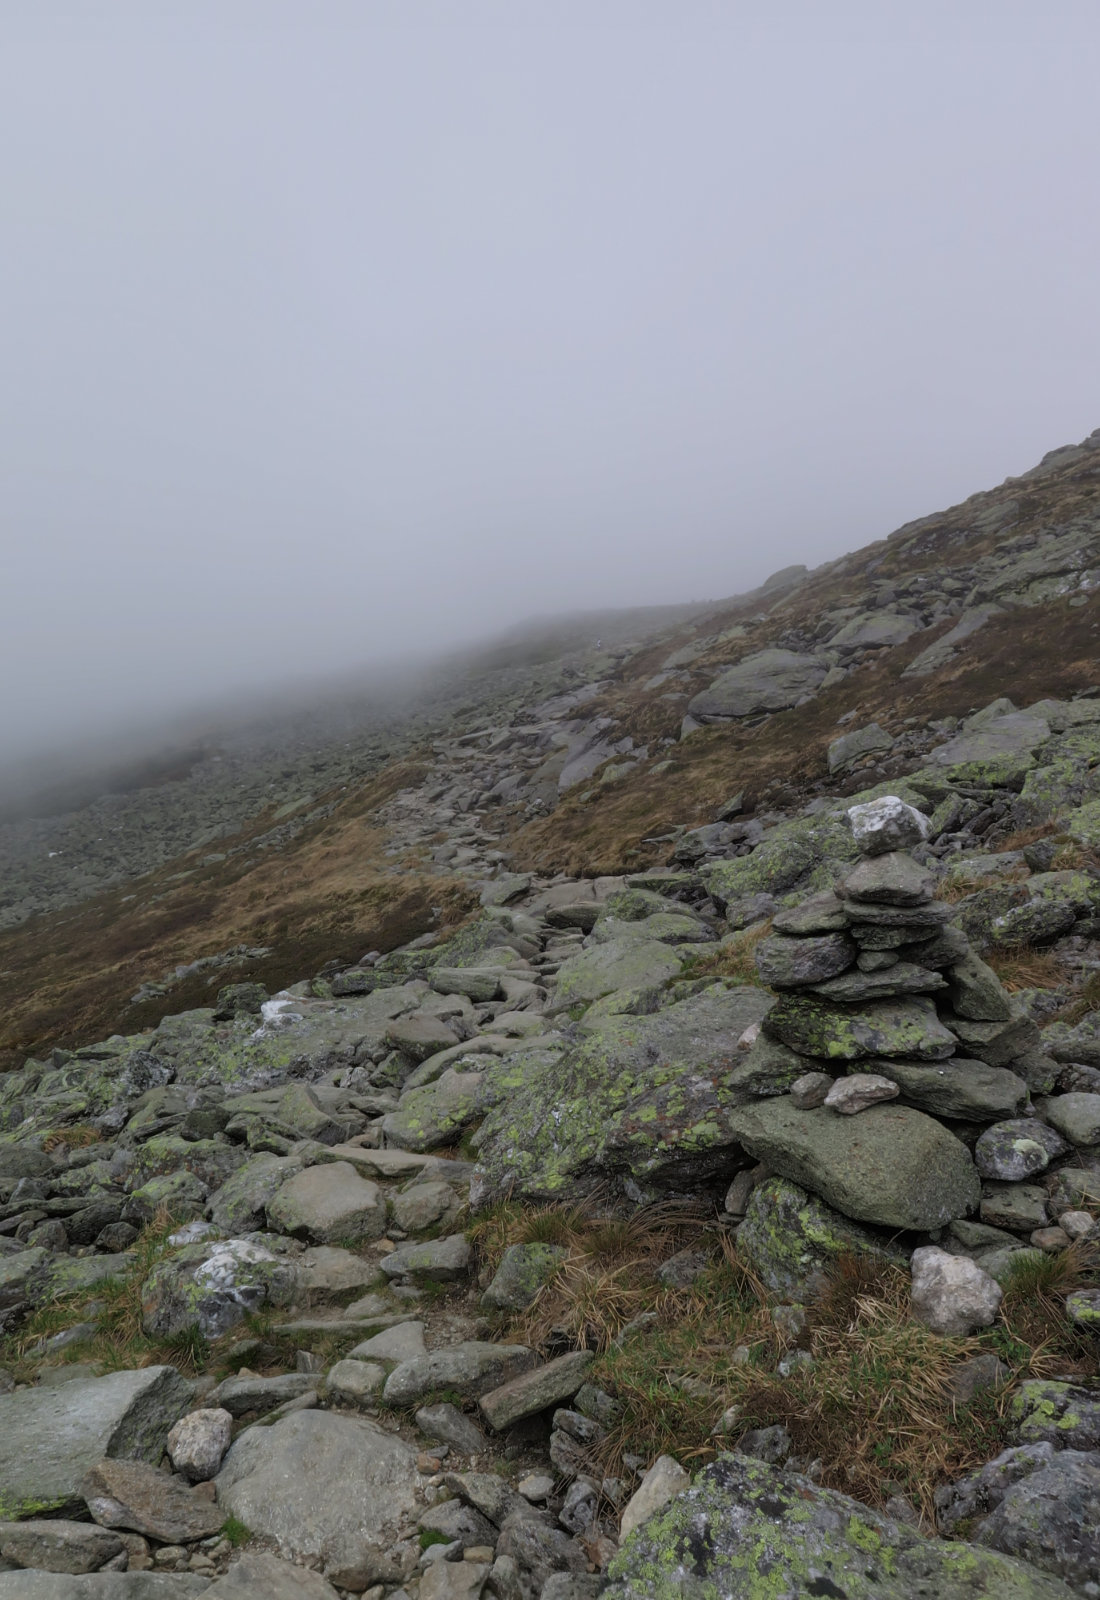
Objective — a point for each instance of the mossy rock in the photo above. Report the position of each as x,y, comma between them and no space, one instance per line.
790,1239
642,1102
749,1531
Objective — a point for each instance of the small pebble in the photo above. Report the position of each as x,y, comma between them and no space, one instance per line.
536,1487
1078,1224
1050,1239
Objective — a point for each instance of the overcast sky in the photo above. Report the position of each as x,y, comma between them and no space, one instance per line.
330,328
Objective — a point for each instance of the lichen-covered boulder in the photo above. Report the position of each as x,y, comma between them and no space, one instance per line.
891,1165
746,1530
633,962
240,1205
833,1032
790,1239
524,1270
52,1436
1034,1502
642,1102
213,1286
435,1114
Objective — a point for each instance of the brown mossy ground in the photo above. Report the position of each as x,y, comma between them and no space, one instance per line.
329,894
1027,655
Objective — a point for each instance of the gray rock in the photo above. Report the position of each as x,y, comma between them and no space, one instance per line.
58,1546
1076,1117
198,1442
355,1383
1014,1205
52,1437
851,748
770,680
459,1523
891,878
447,1424
951,1294
468,1369
742,1518
488,1492
102,1586
240,1205
1051,1411
138,1496
859,1090
1012,1151
403,1342
892,1028
808,1092
787,961
524,1270
535,1390
242,1395
627,963
329,1203
255,1575
432,1261
23,1276
213,1286
640,1100
976,991
890,1165
894,979
329,1489
968,1090
790,1239
1035,1503
819,913
887,823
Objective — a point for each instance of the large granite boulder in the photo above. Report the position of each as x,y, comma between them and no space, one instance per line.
770,680
53,1436
746,1530
327,1489
213,1285
642,1101
889,1165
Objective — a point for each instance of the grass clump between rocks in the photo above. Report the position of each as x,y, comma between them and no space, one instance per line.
863,1390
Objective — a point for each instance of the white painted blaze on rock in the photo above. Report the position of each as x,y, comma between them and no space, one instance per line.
951,1294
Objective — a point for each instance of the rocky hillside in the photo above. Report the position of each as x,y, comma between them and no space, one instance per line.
637,1133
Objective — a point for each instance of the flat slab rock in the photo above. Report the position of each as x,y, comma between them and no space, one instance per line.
534,1391
258,1576
102,1586
743,1518
469,1369
890,1164
53,1436
325,1488
135,1495
58,1546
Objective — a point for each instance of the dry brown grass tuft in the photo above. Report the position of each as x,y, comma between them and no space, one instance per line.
1025,968
78,1137
1025,836
735,961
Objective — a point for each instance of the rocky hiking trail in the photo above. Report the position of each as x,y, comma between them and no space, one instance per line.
724,1224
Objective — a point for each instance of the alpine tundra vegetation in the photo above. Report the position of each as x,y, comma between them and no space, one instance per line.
626,1124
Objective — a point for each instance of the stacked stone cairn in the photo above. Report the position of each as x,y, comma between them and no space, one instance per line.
910,1073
